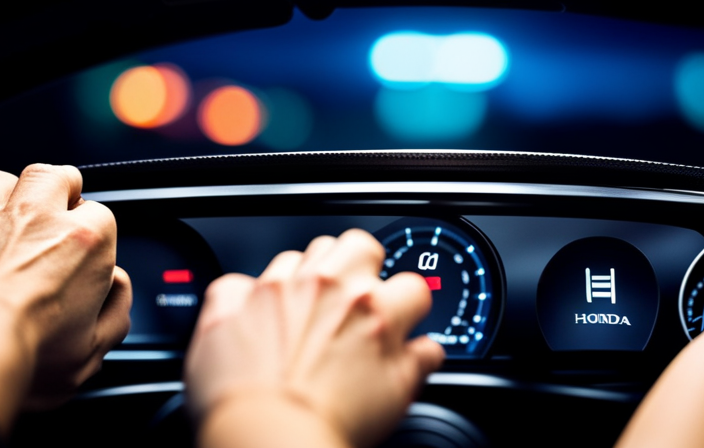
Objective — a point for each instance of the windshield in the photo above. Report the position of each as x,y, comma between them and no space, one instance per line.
382,78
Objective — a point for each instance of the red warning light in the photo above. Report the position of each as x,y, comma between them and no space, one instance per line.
433,283
178,276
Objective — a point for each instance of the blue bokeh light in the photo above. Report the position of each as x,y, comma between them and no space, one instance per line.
430,114
404,57
475,60
689,89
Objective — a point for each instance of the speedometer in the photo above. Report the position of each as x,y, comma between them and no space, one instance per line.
463,272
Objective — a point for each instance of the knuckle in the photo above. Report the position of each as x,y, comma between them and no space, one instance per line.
88,236
319,244
42,172
284,254
224,297
364,241
378,327
24,210
267,286
99,231
286,257
362,303
223,285
38,169
321,278
322,239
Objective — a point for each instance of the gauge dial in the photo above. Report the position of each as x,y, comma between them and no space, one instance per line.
170,266
463,273
692,298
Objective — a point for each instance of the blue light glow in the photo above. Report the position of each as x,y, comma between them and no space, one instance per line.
430,114
689,89
559,84
410,59
289,120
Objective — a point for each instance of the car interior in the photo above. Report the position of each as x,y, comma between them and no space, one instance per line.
538,163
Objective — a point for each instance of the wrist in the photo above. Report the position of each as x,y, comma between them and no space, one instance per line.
268,418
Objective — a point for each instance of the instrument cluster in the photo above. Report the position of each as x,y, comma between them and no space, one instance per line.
501,285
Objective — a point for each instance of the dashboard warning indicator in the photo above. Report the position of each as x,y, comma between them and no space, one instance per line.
177,276
434,283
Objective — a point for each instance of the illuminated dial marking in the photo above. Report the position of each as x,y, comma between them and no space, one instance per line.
399,253
434,240
409,238
695,324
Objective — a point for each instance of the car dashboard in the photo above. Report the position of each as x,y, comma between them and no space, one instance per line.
562,286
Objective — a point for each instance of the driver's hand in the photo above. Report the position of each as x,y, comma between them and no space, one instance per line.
316,347
63,303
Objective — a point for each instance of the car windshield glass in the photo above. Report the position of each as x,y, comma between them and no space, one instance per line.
382,78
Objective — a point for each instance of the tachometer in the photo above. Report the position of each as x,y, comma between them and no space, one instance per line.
463,272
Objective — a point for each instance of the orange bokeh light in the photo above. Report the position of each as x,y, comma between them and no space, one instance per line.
150,96
230,116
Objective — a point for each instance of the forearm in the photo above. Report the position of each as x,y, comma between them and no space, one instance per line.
672,412
16,365
267,420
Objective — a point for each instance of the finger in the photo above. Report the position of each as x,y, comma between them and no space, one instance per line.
316,250
345,275
404,301
282,267
7,184
304,292
428,354
355,252
223,297
48,186
114,318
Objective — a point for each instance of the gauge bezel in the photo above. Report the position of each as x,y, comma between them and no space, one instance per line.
683,288
497,281
177,236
